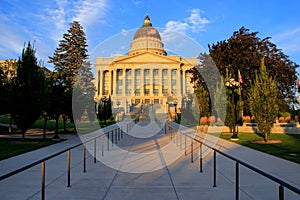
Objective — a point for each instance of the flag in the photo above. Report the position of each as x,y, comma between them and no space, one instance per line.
240,78
151,31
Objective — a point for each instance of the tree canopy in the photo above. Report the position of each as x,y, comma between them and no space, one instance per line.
242,51
71,54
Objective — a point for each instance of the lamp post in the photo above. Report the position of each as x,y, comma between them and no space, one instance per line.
232,85
104,100
175,105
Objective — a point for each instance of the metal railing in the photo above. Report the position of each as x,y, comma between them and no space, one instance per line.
113,133
171,129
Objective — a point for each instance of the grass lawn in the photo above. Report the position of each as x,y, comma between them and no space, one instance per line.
13,146
289,148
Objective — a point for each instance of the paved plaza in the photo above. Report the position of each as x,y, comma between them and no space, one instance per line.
142,178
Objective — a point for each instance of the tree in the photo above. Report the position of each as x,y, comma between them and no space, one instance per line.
85,91
242,51
263,101
71,54
104,110
29,89
203,101
68,58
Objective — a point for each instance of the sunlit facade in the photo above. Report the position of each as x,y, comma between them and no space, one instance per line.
147,75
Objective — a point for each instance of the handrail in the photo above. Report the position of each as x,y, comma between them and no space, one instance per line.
238,161
46,158
113,128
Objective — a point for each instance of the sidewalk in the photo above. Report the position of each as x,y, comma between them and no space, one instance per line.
178,180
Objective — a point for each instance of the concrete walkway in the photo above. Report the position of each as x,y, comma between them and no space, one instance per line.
150,176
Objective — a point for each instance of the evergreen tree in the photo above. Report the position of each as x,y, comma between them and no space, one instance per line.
86,91
203,101
263,101
70,55
68,58
29,90
220,102
3,83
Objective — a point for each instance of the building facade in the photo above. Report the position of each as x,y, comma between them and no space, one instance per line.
147,75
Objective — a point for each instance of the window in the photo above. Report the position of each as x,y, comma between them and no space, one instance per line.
173,72
128,72
137,101
137,82
119,91
119,72
137,92
147,92
174,82
156,101
165,72
128,91
146,72
147,101
128,82
137,72
119,82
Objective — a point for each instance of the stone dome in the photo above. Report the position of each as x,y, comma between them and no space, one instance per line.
147,39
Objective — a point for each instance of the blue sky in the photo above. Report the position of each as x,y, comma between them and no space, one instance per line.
204,21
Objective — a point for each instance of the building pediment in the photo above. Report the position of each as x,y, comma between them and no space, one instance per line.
148,58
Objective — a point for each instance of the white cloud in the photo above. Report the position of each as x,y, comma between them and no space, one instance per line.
194,23
11,41
138,2
87,12
197,23
288,40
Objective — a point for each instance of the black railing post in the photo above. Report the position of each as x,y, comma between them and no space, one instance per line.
237,180
185,145
215,170
116,136
192,150
112,138
200,159
121,132
107,141
69,168
176,137
281,192
102,144
95,150
43,181
180,140
84,157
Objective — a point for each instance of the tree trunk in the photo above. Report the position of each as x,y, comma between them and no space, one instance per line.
10,124
56,125
23,134
64,119
266,137
45,126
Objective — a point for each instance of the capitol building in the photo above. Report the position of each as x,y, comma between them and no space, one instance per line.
147,75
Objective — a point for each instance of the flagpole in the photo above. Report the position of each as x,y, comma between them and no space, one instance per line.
240,93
